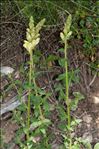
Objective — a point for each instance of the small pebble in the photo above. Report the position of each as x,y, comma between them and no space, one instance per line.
87,118
88,137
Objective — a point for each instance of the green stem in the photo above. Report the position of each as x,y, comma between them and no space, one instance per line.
32,67
29,96
67,92
35,87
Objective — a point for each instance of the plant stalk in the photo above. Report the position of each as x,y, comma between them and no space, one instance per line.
35,87
29,96
67,92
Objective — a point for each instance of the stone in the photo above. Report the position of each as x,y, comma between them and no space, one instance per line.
87,118
88,137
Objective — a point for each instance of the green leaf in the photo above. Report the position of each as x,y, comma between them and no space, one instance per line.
62,113
75,145
43,131
37,100
22,108
75,122
96,146
86,144
62,62
51,58
46,106
75,101
61,50
62,95
61,77
78,95
41,122
73,76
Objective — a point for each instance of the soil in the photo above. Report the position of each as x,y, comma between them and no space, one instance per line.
13,54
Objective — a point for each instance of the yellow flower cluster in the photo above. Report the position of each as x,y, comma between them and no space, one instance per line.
32,35
65,35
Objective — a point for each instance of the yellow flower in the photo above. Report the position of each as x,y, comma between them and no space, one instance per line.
31,45
32,35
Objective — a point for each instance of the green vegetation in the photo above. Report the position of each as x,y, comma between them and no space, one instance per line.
32,40
37,98
34,117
